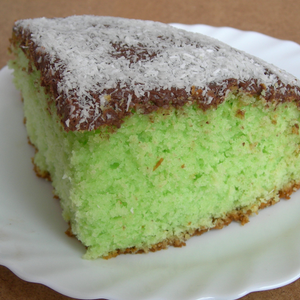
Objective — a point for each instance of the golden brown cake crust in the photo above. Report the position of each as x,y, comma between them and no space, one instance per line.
39,173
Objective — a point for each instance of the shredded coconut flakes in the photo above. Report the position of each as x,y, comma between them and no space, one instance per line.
97,53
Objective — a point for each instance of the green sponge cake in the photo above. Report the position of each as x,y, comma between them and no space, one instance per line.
152,134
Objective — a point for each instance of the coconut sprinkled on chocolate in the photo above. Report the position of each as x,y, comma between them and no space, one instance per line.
101,69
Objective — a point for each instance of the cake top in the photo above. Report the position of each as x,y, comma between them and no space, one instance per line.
101,69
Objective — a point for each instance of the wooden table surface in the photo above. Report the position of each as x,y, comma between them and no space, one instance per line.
277,18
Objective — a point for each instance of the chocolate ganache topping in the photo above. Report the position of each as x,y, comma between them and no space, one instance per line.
99,70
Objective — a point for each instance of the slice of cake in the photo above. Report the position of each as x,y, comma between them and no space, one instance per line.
151,134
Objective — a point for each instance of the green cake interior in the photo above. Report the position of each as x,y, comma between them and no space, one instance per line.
161,175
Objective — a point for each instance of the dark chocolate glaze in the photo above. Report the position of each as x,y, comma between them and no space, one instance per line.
153,100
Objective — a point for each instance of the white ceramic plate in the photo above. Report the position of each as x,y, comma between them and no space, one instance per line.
224,264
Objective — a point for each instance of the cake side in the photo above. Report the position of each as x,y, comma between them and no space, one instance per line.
122,66
240,215
166,175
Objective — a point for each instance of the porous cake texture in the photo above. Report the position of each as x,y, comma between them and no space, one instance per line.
152,134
